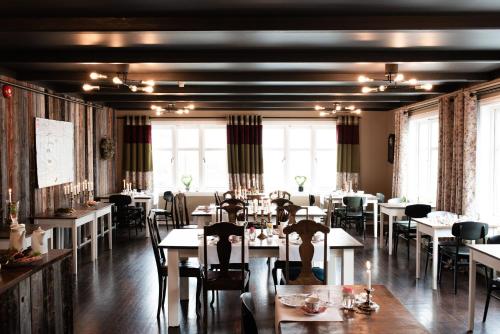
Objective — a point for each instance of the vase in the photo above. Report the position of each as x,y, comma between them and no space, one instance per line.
301,188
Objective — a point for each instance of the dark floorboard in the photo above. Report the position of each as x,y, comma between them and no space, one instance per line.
118,294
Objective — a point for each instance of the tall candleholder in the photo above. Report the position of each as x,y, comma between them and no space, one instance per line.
369,305
262,235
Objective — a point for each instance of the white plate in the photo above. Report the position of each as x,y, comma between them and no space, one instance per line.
295,300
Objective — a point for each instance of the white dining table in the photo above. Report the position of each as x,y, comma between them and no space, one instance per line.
184,243
392,210
489,255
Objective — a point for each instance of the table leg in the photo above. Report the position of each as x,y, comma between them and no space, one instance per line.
173,287
74,240
375,216
348,267
418,246
93,239
110,230
435,247
472,290
334,268
184,283
381,230
389,236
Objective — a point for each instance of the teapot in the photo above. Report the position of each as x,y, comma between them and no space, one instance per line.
37,240
17,235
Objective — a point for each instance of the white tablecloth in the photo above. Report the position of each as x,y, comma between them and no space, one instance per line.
213,258
294,250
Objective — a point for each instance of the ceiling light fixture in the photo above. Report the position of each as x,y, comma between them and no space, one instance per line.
87,87
97,76
120,79
337,107
393,80
172,108
117,81
148,82
181,84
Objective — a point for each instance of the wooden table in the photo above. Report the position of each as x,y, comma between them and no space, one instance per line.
392,317
145,198
181,243
489,255
81,216
48,237
436,230
202,215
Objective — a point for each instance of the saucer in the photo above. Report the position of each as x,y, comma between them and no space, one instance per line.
306,311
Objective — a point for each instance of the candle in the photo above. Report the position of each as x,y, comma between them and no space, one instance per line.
65,190
124,186
369,271
10,195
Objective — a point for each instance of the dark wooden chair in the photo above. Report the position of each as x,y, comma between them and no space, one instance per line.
281,214
352,211
188,268
228,194
312,200
248,322
242,216
307,275
224,278
181,215
280,194
234,213
493,283
167,211
217,198
124,214
459,253
407,229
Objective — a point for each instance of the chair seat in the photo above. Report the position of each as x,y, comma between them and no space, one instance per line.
230,280
188,268
354,214
319,273
161,212
403,225
463,251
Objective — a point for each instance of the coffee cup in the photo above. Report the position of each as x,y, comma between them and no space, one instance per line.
312,304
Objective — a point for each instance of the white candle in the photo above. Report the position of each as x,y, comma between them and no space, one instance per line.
10,195
369,271
124,184
65,190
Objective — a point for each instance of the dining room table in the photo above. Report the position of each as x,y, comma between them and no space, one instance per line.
391,316
437,229
185,243
204,215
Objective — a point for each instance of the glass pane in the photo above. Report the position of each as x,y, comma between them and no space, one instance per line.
215,137
188,137
299,138
326,138
326,167
162,137
215,165
299,164
273,137
274,172
188,164
162,171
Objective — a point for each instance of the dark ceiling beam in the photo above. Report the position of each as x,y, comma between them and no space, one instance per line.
223,90
373,97
341,78
201,55
326,20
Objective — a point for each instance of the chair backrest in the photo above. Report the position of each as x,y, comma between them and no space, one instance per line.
217,198
353,203
312,200
417,210
228,194
329,209
224,246
281,214
469,231
181,216
120,207
232,201
306,230
120,200
168,196
380,197
233,213
291,210
494,239
280,194
395,200
154,244
248,322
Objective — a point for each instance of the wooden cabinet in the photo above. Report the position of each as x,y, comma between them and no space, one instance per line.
38,299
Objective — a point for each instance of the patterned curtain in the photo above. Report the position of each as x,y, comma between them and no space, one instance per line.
244,152
400,168
457,153
348,152
137,155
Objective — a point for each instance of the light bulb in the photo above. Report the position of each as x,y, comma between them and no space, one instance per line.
426,86
338,107
382,88
179,111
95,76
158,113
190,106
148,89
181,84
363,79
351,107
368,89
399,77
117,81
318,107
133,88
322,113
186,111
357,111
148,82
87,87
413,81
153,107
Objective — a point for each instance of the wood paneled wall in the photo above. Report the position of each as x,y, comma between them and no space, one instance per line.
17,148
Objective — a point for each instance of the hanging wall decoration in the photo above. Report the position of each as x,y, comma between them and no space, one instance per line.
7,91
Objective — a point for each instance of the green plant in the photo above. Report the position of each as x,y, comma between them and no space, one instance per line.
300,180
186,180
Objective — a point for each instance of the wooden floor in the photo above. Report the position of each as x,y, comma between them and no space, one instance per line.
118,294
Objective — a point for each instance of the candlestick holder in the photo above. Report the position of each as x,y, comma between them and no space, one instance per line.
262,235
369,305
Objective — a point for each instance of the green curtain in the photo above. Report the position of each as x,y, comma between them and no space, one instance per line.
348,152
244,152
137,155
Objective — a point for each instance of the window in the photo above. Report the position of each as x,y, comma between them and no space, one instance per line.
488,160
187,148
423,158
300,148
